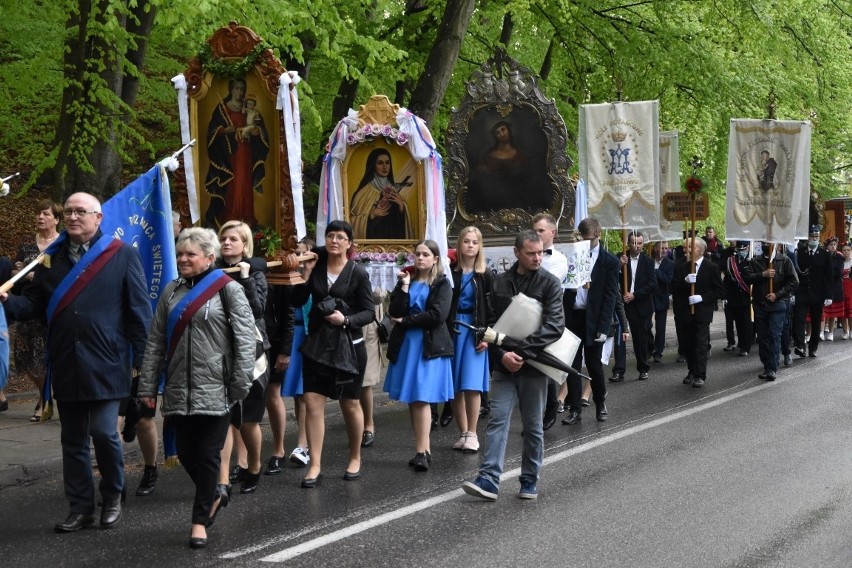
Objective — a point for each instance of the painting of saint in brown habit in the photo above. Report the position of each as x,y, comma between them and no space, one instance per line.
507,162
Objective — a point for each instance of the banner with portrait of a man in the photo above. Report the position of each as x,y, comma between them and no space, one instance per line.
768,175
619,159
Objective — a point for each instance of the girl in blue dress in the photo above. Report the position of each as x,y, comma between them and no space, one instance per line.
420,348
292,385
470,304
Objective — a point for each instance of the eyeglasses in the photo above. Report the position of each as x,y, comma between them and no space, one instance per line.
79,213
337,238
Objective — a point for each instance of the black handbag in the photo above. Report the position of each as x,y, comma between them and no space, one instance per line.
383,328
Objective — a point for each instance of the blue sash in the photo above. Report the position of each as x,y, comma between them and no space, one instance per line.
181,314
81,273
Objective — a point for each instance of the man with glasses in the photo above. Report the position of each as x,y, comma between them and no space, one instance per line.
92,291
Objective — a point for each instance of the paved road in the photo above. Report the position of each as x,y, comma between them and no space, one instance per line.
742,473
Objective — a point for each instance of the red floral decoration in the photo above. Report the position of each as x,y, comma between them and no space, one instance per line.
694,184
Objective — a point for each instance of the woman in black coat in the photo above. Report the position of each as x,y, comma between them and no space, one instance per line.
420,347
342,305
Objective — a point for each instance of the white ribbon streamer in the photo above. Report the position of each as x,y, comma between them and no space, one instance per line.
179,82
288,103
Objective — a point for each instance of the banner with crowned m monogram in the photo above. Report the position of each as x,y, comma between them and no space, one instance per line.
768,179
619,159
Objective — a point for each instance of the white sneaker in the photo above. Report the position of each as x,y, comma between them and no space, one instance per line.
471,444
300,456
845,335
829,336
460,442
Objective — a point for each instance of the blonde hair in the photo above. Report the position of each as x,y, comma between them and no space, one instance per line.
437,268
479,265
244,231
204,239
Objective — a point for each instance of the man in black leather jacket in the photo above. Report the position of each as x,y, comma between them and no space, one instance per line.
773,284
512,378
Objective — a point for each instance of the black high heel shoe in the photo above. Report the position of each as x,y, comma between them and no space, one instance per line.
311,482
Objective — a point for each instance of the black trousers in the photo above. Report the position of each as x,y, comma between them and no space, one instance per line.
799,312
696,336
640,329
741,318
199,440
577,324
660,331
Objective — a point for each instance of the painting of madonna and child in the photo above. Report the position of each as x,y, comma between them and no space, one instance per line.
383,185
238,123
507,162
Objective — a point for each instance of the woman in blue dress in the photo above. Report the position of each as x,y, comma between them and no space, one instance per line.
420,348
292,384
470,304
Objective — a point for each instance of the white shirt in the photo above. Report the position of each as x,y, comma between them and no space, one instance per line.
634,264
557,264
583,293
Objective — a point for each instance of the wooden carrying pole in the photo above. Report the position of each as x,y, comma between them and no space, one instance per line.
24,271
691,249
269,264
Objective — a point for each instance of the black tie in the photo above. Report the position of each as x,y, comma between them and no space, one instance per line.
548,251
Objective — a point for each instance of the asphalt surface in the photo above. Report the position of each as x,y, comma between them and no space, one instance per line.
741,473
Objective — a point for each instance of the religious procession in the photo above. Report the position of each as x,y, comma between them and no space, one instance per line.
463,290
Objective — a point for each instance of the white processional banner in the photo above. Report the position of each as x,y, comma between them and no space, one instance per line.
768,179
669,183
619,160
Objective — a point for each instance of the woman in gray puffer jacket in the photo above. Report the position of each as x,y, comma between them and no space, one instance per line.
203,331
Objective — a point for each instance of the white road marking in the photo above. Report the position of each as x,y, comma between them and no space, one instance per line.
341,534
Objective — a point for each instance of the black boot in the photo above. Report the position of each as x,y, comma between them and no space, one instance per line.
148,481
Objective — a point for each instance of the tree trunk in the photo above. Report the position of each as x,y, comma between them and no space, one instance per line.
85,116
508,26
547,64
438,71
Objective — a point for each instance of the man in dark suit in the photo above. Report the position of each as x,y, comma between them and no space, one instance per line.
664,268
638,280
95,300
814,291
738,293
694,307
588,314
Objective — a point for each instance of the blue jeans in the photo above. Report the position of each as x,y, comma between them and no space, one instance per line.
769,320
530,390
97,419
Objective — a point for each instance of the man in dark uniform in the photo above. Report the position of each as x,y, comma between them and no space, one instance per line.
738,291
813,293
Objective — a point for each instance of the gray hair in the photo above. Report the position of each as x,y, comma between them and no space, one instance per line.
204,239
702,245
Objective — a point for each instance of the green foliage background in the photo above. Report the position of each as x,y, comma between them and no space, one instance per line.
707,61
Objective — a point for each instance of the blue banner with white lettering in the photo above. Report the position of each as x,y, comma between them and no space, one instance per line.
4,350
141,215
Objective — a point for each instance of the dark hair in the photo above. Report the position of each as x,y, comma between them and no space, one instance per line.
54,207
526,236
635,235
437,268
338,225
588,225
231,84
508,127
370,170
